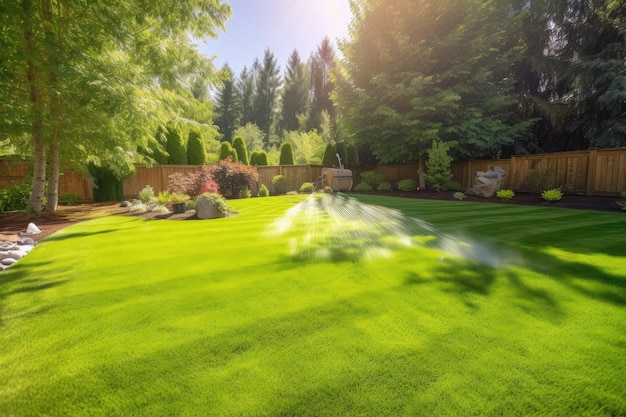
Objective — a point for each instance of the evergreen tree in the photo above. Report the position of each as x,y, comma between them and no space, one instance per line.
226,107
322,64
240,147
227,150
439,166
330,155
176,146
353,156
258,158
340,148
196,152
295,93
286,154
245,96
266,93
157,146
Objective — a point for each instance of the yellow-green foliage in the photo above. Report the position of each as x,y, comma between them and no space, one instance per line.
505,194
263,191
552,195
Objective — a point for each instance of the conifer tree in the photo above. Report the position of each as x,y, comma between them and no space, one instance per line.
196,152
286,154
240,147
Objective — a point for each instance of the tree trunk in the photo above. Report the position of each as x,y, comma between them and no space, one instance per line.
53,175
55,109
422,166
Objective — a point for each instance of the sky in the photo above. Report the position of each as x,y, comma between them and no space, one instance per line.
281,26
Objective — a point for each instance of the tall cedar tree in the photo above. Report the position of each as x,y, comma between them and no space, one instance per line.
196,151
322,65
242,151
226,150
286,154
176,147
268,83
227,108
295,92
245,96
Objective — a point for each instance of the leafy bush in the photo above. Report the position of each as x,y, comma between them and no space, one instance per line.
540,178
68,199
438,164
623,195
196,152
176,198
279,185
227,151
552,195
263,191
307,187
239,145
193,183
163,197
353,155
407,185
384,186
218,200
258,158
372,178
176,147
233,177
363,187
15,197
146,195
505,194
458,196
286,154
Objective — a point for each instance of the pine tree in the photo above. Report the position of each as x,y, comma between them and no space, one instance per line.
266,93
439,166
295,92
322,64
330,157
226,106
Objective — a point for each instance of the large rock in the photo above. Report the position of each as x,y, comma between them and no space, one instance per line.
205,209
487,183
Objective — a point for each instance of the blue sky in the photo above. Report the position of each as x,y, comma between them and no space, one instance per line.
281,26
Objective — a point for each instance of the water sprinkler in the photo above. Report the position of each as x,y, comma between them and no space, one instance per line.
339,159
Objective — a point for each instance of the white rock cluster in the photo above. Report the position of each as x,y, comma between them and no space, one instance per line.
11,252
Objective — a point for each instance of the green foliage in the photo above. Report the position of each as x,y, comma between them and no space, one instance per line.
252,135
353,156
15,196
623,194
68,199
176,198
263,191
372,178
384,186
146,195
279,185
218,200
458,196
307,188
363,187
196,152
295,93
505,194
163,197
286,154
540,178
308,147
226,105
267,83
157,145
330,159
233,177
226,151
106,185
552,195
240,147
176,147
407,185
343,153
439,166
258,158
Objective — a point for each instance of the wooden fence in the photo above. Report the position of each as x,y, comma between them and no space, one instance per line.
592,172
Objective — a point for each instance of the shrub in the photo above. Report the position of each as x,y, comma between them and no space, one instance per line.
353,155
407,185
176,198
263,191
384,186
623,195
227,151
157,146
286,154
218,200
438,164
505,194
279,185
233,177
193,183
176,147
458,196
196,152
340,148
15,197
258,158
307,187
239,145
163,197
68,199
552,195
363,187
330,158
540,178
146,195
372,178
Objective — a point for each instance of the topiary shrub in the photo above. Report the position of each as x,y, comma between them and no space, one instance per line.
263,191
176,147
258,158
196,151
407,185
372,178
286,154
307,188
330,159
439,166
239,145
279,185
384,186
227,151
363,187
353,155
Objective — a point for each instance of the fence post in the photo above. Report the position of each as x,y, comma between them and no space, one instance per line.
592,166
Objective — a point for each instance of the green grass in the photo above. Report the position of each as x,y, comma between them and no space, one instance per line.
123,316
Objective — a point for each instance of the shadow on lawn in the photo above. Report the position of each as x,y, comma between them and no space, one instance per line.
67,235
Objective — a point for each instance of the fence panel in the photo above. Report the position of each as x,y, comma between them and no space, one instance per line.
72,182
610,172
13,172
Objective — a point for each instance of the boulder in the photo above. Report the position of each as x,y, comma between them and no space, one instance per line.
205,209
8,261
487,183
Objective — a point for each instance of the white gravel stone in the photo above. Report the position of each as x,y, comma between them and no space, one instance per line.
8,261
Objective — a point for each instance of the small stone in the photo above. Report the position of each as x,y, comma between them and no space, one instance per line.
4,254
125,204
8,261
6,246
32,229
26,241
17,254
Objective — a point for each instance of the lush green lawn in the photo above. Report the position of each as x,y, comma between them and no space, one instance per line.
122,316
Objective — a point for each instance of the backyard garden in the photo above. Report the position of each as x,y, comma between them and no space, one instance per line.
329,305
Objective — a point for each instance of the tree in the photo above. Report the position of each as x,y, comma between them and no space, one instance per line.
226,107
322,65
60,86
245,95
353,156
176,146
286,154
196,152
227,151
308,147
420,71
258,158
439,166
295,93
266,93
252,135
240,147
330,155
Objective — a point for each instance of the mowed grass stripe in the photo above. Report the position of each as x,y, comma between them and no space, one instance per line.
122,316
